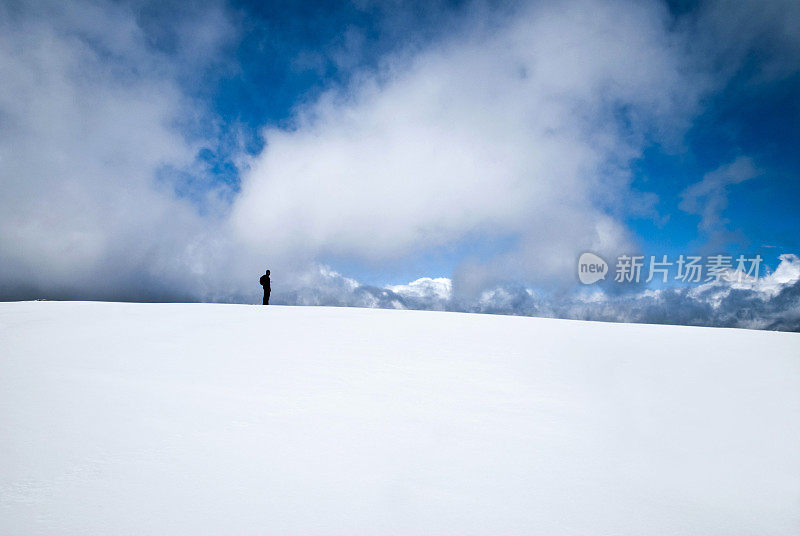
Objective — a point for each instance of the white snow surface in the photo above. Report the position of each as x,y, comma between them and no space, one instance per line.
201,419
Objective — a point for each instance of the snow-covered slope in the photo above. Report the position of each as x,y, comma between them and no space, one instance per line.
223,419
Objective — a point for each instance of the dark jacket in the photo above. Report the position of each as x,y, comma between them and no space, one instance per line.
265,282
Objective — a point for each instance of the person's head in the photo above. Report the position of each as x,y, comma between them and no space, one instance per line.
267,272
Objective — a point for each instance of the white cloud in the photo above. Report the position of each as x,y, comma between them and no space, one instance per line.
787,274
87,120
709,197
440,288
768,302
524,130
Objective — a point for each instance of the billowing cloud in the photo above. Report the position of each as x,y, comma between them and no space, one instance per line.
526,130
770,302
88,113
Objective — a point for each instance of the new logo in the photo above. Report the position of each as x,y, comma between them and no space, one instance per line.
591,268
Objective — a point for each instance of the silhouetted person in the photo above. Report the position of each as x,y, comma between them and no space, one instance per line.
265,283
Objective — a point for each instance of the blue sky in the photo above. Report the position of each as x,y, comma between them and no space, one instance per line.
757,121
168,151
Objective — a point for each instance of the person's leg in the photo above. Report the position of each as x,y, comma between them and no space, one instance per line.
266,300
